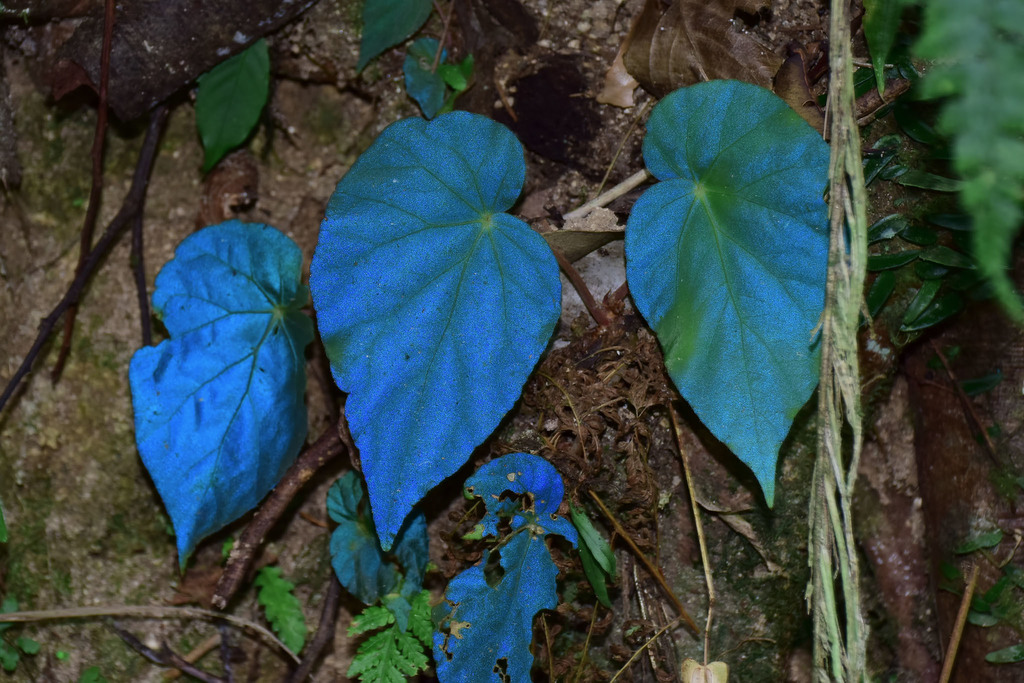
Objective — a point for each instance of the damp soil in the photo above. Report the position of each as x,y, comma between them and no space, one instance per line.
88,528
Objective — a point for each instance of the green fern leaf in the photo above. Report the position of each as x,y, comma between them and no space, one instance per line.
420,623
388,657
283,610
371,619
979,52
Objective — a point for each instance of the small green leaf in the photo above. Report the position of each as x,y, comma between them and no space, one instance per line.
372,618
595,575
391,656
988,539
929,181
949,571
283,609
1008,655
886,228
945,256
982,619
881,21
889,261
389,22
27,645
881,290
229,100
979,385
951,221
941,308
592,539
930,271
921,301
92,675
919,235
9,657
9,604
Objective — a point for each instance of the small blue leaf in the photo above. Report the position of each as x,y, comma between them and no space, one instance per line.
486,626
219,411
433,304
362,567
726,260
537,485
423,84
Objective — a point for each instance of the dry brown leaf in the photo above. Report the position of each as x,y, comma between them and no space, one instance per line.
618,84
791,85
580,236
694,41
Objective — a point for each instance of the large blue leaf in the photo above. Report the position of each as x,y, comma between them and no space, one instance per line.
362,567
219,411
726,259
433,305
486,632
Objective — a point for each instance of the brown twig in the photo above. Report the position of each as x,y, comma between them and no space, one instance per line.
138,262
597,311
966,401
651,567
195,654
165,657
91,213
131,206
324,632
326,448
958,627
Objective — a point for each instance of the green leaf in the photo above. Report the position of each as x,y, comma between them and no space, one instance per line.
939,309
929,181
881,290
283,609
9,604
9,657
1008,655
989,539
595,575
389,22
919,235
982,619
978,51
372,618
945,256
391,656
886,228
726,260
92,675
889,261
881,21
930,271
219,407
229,100
27,645
921,301
951,221
980,385
592,539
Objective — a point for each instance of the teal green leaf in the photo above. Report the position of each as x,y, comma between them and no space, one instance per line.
27,645
929,181
1008,655
433,304
726,260
978,50
880,291
283,609
988,539
219,407
881,22
229,100
422,82
980,385
890,261
944,256
366,571
924,297
486,626
387,23
9,657
92,675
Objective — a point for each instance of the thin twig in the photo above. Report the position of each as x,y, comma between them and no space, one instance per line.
968,406
132,204
144,612
958,627
700,531
92,211
444,33
622,143
324,632
166,657
629,662
633,181
195,654
326,448
138,262
651,567
586,644
598,312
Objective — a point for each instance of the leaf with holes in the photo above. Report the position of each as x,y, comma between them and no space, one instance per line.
487,625
726,260
219,411
433,304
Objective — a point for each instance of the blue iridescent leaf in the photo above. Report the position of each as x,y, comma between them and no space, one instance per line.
219,411
433,304
726,260
362,567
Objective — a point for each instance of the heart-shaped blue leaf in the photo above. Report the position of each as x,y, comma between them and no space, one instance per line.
433,305
726,259
219,411
423,83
